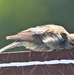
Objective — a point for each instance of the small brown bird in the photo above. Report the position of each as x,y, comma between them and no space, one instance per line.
42,38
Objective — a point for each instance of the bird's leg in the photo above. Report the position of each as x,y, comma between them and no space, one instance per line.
44,55
30,55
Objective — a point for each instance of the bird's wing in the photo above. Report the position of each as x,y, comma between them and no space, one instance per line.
27,34
34,34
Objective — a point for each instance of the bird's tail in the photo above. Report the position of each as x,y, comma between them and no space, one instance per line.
12,45
14,37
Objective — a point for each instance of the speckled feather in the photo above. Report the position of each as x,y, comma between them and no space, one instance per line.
44,38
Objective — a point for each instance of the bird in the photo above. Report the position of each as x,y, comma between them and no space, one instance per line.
42,38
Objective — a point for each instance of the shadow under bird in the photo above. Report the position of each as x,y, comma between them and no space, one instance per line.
42,38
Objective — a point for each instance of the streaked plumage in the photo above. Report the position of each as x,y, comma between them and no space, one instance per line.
42,38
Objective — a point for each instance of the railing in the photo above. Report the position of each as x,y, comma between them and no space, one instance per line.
37,63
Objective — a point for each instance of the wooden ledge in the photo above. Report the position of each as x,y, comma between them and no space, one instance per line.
25,56
36,56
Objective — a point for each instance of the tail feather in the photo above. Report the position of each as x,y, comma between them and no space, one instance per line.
12,45
14,37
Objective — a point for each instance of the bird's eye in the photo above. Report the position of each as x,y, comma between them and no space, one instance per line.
64,36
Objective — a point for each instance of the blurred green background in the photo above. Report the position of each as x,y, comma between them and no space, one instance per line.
17,15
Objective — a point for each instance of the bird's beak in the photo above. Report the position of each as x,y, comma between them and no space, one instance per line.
71,37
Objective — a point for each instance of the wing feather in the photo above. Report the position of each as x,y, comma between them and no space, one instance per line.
37,33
